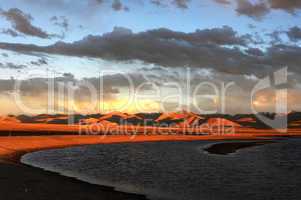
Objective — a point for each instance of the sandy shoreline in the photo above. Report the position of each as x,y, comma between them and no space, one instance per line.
12,148
24,182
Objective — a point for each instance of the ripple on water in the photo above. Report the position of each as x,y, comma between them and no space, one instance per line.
180,171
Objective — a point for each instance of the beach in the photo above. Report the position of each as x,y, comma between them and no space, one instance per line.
12,148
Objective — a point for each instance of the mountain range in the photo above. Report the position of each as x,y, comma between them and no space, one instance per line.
172,119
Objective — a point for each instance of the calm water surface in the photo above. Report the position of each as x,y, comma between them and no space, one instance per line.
183,170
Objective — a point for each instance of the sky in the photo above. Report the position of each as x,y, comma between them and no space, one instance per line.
150,55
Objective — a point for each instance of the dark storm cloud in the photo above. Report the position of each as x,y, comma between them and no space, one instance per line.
117,41
21,22
220,36
162,46
294,34
201,49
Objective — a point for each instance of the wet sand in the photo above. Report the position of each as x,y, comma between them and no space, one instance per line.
19,181
12,148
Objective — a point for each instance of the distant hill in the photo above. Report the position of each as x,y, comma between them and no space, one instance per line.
221,122
180,119
122,118
9,119
95,121
294,119
174,119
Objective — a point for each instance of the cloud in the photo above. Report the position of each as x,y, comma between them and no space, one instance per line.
5,55
255,52
10,65
294,34
99,1
34,93
60,21
39,62
84,8
63,3
288,6
158,3
115,86
281,55
252,8
29,87
251,26
183,4
226,2
256,11
36,86
118,6
21,22
97,45
107,84
276,36
10,32
218,48
122,80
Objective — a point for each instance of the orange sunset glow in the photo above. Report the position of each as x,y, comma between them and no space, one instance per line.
150,99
